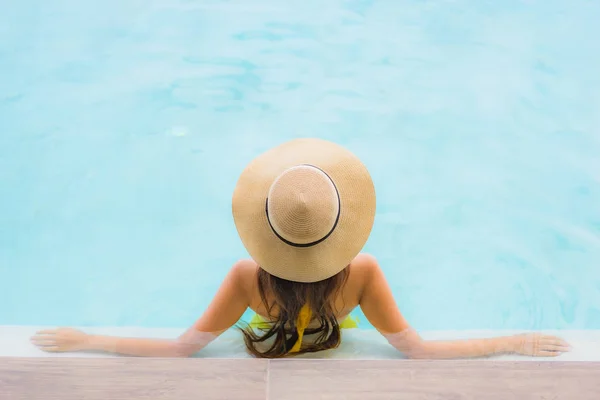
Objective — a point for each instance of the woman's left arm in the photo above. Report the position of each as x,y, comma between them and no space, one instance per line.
224,311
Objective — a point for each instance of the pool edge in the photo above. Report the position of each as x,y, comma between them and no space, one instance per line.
357,344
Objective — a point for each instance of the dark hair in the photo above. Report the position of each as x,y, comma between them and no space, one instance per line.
288,297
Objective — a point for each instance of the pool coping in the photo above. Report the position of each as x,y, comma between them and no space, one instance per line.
293,379
356,344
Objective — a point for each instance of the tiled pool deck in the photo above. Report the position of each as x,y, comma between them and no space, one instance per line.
243,379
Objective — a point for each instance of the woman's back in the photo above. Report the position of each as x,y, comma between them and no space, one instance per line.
365,286
344,301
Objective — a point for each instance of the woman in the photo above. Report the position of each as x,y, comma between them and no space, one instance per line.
303,210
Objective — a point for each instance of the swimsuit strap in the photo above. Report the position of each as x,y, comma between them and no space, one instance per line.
258,322
302,322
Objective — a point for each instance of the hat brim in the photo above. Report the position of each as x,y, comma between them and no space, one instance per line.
357,210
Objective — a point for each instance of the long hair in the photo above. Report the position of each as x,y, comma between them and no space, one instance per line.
288,297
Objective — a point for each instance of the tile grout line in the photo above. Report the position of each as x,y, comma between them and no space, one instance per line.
268,380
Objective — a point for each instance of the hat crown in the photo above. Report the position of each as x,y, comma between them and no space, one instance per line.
303,205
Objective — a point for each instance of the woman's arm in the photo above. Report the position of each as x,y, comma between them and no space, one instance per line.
64,340
535,344
378,305
225,310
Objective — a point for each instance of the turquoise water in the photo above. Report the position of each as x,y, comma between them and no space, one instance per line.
125,124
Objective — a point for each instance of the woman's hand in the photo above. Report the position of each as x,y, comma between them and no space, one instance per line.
538,345
61,340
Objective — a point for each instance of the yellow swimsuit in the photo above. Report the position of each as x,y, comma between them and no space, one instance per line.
303,320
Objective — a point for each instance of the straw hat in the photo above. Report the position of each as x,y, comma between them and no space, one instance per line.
304,209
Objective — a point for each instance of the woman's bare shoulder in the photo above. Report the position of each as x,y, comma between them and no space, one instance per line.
364,263
361,270
244,272
245,268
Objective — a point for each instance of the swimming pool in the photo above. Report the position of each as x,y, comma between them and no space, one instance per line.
124,126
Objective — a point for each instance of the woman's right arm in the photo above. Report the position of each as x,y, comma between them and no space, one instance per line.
226,308
379,306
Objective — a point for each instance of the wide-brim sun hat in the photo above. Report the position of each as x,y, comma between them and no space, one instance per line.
304,209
